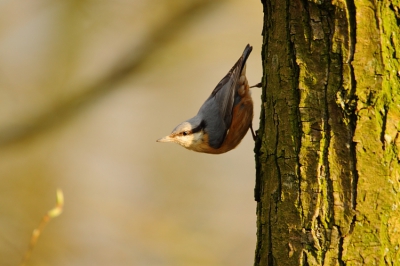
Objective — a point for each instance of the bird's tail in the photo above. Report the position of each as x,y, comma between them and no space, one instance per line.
245,55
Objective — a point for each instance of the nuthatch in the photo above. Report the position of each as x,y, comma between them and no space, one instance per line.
224,118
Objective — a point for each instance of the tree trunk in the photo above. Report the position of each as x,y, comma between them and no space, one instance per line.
327,157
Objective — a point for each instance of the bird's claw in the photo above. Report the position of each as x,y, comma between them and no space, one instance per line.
258,85
255,135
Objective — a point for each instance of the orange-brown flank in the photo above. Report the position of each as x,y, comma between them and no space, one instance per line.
242,117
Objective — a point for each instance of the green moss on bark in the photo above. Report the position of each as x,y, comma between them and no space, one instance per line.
328,175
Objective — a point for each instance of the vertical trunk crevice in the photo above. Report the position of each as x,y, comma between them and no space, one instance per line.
327,154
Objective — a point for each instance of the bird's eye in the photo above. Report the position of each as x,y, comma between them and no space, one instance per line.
185,133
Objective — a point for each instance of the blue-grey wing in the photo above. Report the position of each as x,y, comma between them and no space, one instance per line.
217,110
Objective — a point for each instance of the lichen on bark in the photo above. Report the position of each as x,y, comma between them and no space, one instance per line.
327,157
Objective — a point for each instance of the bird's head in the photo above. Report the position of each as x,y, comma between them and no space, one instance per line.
189,134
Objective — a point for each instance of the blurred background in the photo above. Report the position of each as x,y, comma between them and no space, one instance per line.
86,88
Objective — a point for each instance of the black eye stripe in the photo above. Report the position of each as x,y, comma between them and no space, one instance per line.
193,130
185,133
199,127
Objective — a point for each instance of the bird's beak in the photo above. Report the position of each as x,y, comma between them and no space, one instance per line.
166,139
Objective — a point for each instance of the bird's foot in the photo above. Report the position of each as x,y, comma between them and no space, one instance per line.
258,85
252,133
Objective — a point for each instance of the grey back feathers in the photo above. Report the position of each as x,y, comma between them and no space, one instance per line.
216,112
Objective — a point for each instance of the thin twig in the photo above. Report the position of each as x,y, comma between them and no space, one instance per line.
56,211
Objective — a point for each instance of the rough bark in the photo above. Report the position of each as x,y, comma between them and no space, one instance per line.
328,153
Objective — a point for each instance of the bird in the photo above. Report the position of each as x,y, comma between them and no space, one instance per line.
224,118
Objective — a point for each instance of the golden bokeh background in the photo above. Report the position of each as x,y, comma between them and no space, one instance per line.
86,88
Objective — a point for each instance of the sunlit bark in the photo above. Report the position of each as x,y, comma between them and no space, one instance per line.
328,174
